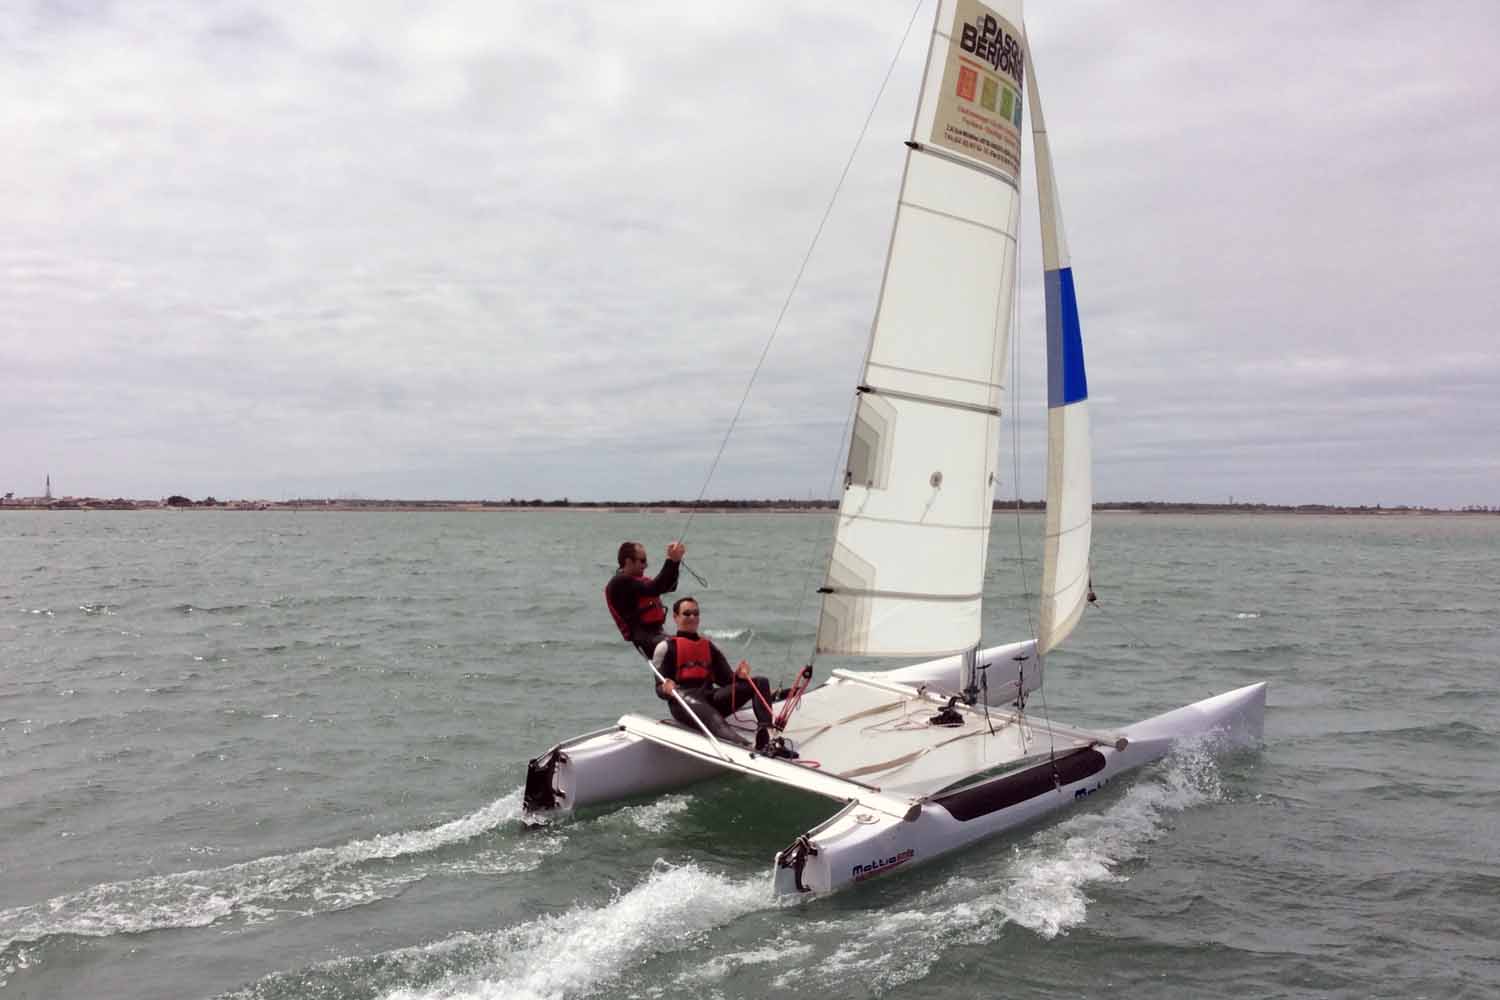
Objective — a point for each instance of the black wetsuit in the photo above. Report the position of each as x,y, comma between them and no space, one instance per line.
725,692
623,594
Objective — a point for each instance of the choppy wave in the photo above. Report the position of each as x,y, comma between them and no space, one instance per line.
226,609
570,954
321,879
1042,885
653,817
1455,733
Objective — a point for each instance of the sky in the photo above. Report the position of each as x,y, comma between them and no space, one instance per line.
481,250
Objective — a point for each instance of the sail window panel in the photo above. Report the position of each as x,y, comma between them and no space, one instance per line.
876,626
944,310
948,188
913,529
936,462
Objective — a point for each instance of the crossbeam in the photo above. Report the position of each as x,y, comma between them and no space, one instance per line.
782,771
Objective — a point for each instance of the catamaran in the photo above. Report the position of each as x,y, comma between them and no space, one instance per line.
928,758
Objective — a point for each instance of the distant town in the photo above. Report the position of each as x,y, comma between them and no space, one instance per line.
182,503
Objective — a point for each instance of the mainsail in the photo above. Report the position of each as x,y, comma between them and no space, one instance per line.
907,570
1070,483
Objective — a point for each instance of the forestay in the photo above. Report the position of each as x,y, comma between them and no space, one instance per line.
907,569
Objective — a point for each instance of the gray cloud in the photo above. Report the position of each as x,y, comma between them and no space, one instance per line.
493,250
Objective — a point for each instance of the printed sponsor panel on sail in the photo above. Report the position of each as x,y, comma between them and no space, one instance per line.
979,106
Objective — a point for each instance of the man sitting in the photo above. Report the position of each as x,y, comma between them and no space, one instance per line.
695,668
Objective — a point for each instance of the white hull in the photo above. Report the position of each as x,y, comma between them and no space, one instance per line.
858,844
883,829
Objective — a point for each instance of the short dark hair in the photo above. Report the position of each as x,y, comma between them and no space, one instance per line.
627,551
677,604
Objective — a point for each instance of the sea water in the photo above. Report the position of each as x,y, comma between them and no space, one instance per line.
275,755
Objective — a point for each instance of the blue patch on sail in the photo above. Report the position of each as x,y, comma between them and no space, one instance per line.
1065,379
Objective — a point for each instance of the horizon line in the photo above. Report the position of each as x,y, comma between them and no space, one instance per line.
180,501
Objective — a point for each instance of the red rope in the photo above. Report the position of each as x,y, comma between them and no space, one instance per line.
734,691
794,696
761,698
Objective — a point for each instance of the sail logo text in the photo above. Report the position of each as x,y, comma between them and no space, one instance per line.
881,865
989,44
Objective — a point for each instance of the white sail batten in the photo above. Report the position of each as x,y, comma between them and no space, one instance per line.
1070,484
907,571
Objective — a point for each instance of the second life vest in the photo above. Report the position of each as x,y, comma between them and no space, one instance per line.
694,659
649,612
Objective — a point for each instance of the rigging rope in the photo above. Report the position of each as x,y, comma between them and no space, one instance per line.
808,562
797,280
771,339
1094,603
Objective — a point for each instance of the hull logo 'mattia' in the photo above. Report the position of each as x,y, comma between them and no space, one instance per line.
882,865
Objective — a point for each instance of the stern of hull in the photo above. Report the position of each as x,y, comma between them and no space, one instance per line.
601,768
541,794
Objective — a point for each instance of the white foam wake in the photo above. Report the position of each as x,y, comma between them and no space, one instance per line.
653,817
1043,885
1048,892
321,879
576,952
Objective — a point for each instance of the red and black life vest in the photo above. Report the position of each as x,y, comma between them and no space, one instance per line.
649,613
695,659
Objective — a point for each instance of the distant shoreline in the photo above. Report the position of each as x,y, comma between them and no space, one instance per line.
682,506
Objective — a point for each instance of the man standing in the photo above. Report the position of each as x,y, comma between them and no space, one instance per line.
634,599
695,667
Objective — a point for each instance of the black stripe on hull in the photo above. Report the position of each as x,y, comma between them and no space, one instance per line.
1002,793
